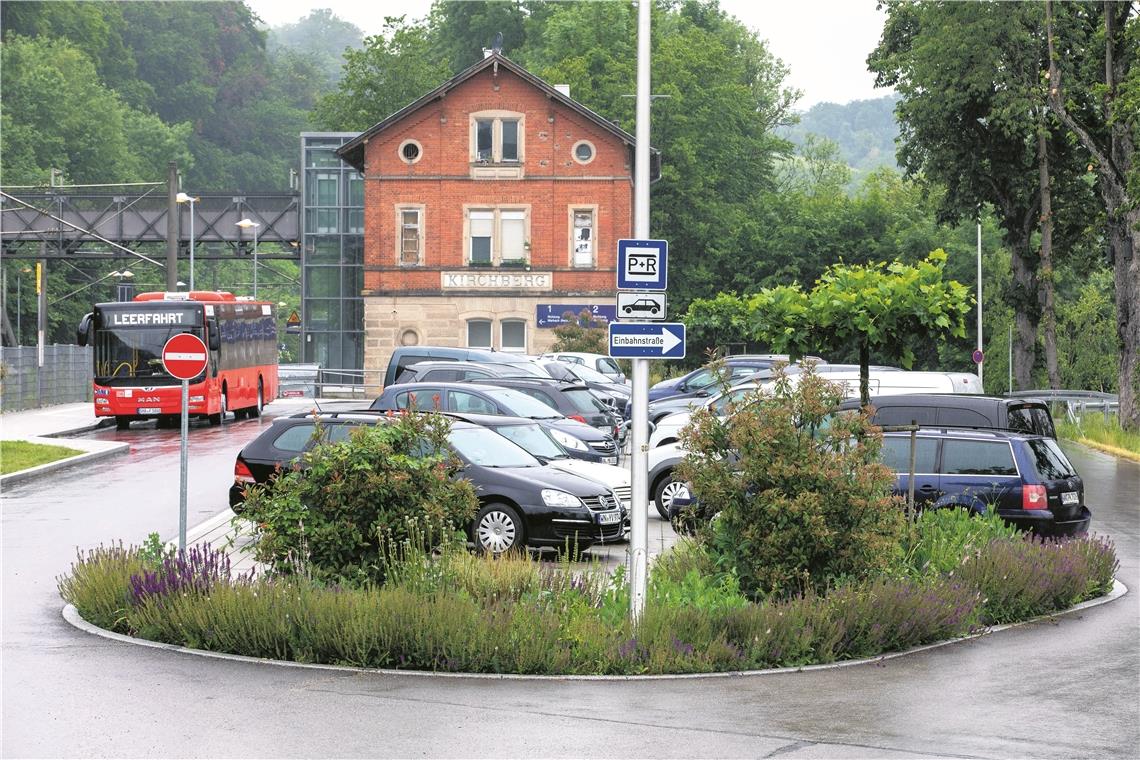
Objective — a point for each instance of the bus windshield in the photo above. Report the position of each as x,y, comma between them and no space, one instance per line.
126,354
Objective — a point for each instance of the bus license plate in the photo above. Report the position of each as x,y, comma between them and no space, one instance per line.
149,410
1070,497
609,518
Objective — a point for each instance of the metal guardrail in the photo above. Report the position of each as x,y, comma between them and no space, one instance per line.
1077,403
315,381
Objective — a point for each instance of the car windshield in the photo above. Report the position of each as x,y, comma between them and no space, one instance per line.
487,448
519,404
534,439
588,375
583,400
528,368
1049,460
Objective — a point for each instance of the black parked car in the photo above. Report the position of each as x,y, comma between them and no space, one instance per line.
573,400
581,440
962,410
521,502
611,393
1025,477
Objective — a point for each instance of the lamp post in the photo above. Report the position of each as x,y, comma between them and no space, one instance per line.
184,198
246,224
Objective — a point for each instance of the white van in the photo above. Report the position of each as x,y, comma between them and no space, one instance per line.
896,382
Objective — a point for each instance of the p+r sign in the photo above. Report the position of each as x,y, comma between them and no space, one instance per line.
642,264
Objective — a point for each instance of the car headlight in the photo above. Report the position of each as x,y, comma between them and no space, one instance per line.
555,498
568,440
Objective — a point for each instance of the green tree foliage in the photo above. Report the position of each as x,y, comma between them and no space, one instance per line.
864,131
971,107
878,309
798,509
320,38
581,333
351,503
58,114
392,70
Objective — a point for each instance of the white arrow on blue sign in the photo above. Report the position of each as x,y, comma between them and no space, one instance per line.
642,340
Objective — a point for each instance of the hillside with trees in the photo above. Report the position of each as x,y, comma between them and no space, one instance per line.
863,130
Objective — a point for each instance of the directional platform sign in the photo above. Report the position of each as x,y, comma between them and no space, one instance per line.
641,305
642,340
642,264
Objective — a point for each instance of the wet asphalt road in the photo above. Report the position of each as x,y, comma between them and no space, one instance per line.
1059,689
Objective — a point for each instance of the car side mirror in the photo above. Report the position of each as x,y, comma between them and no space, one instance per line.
83,334
702,394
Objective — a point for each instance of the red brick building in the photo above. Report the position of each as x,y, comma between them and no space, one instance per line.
485,199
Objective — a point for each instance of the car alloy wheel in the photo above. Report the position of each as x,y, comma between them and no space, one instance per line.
666,492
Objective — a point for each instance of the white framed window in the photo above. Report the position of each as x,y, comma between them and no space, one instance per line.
498,236
479,333
497,137
409,235
513,335
583,151
583,242
512,225
482,226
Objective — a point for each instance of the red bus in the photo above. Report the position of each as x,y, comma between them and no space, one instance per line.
130,382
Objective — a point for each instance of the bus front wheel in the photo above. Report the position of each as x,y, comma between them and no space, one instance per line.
122,423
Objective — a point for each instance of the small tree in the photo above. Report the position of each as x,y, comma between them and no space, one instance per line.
874,307
343,509
581,333
799,495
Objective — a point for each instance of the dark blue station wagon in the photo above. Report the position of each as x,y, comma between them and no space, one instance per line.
1026,478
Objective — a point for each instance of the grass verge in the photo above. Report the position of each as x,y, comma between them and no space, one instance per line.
21,455
1107,436
458,612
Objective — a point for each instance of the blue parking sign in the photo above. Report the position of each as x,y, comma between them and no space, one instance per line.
642,264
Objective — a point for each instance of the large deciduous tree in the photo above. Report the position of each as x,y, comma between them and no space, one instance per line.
1094,88
972,117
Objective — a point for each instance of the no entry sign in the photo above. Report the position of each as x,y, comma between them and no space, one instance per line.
184,356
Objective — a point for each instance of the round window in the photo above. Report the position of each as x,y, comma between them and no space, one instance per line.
583,152
409,338
410,151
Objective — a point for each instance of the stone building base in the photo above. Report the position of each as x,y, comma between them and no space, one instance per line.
392,321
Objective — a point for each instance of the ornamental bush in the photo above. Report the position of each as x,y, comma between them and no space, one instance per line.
794,498
343,510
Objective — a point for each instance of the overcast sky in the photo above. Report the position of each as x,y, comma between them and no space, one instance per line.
825,43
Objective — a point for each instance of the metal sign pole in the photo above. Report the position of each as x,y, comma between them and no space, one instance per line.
639,461
182,466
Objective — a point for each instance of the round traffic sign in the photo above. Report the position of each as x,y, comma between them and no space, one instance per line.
977,356
184,356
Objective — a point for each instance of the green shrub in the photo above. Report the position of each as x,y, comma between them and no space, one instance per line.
939,539
801,497
342,511
98,583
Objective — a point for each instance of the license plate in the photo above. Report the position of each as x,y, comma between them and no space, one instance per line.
609,460
1070,497
149,410
609,518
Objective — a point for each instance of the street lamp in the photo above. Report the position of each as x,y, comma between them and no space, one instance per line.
184,198
245,224
124,275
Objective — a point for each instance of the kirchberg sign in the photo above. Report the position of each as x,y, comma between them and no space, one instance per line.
495,280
